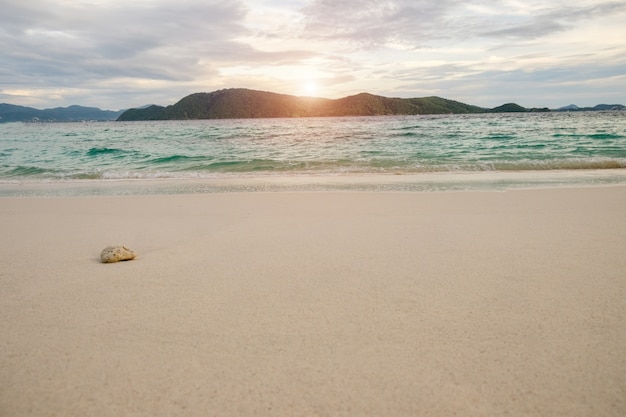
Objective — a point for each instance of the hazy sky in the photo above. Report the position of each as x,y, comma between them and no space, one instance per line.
117,54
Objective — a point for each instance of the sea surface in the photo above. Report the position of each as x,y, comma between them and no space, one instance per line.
403,153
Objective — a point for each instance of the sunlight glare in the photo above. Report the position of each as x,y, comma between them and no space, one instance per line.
310,88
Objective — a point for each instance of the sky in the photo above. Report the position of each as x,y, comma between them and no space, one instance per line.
118,54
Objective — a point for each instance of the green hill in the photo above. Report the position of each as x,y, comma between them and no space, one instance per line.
509,108
243,103
152,112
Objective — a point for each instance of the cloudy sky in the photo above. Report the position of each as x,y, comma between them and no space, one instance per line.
117,54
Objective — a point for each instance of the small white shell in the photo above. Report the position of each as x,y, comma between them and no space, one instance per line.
112,254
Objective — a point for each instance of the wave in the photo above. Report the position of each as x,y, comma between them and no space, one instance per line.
382,165
599,136
174,159
500,137
180,163
407,134
559,164
334,167
26,171
93,152
252,165
605,136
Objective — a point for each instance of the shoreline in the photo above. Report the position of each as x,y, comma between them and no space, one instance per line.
316,303
303,182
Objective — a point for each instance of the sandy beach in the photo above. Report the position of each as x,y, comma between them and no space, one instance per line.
316,304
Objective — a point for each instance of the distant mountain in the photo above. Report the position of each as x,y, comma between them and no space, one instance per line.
599,107
569,107
13,113
244,103
608,107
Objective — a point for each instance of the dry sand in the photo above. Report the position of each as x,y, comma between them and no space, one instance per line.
316,304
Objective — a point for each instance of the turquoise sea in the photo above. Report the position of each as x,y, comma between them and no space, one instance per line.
434,152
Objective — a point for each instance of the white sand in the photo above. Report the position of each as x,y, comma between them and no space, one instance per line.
316,304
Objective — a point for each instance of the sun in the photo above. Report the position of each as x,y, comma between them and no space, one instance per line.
309,88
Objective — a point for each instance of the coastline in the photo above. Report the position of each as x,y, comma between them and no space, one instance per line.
304,182
328,303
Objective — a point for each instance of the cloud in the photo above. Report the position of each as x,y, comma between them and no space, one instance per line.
78,43
421,23
140,43
529,79
376,22
551,20
120,53
118,31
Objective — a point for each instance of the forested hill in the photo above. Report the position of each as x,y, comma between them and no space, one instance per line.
243,103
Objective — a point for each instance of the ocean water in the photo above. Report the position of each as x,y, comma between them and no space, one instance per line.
434,152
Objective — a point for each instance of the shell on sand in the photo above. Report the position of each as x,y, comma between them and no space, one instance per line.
112,254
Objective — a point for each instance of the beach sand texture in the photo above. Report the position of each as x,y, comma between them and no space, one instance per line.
316,304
